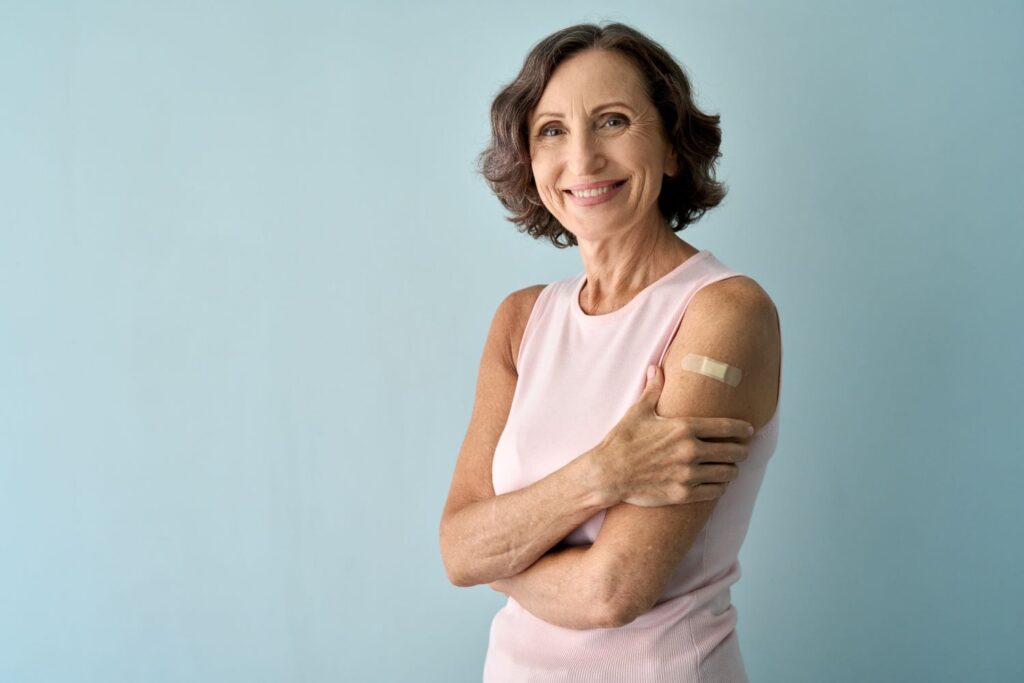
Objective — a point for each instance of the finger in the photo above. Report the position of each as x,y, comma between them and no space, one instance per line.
724,452
718,474
719,427
708,491
655,383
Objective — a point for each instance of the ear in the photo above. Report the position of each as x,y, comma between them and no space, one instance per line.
671,163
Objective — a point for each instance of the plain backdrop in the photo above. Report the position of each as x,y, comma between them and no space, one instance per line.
247,269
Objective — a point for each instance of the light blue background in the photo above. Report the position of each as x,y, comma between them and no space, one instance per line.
246,273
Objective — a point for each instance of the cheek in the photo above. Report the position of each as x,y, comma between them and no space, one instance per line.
552,197
544,182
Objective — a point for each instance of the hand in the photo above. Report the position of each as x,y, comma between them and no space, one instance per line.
650,460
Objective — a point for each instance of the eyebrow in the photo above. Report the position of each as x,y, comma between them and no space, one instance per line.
596,109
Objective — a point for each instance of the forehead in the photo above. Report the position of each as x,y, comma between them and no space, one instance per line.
591,78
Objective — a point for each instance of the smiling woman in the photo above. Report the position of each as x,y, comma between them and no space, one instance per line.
604,485
608,123
656,101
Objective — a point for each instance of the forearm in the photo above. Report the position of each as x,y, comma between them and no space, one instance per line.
562,588
503,535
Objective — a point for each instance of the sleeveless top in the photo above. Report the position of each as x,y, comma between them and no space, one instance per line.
577,376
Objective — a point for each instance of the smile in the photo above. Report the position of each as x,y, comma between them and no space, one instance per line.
595,196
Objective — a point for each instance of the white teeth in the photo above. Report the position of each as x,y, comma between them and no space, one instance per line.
591,193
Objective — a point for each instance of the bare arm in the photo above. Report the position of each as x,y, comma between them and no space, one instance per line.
503,535
484,537
562,589
638,548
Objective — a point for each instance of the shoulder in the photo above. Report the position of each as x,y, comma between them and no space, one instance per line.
736,322
512,314
736,309
521,301
734,297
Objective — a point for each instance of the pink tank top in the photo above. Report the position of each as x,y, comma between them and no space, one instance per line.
578,374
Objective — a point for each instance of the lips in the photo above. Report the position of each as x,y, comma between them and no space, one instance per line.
593,186
601,195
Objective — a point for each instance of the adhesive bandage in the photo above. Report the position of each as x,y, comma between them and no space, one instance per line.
715,369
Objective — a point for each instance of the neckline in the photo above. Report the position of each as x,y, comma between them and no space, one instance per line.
619,313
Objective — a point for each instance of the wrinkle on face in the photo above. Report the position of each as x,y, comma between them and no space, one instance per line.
586,146
625,242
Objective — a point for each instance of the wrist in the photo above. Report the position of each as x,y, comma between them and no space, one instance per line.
599,479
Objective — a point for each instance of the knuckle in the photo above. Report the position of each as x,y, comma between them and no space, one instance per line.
688,451
680,493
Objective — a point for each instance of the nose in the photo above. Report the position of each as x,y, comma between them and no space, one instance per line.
586,158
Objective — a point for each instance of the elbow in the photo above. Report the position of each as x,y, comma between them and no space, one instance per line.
456,579
611,606
617,612
611,615
455,576
461,579
452,569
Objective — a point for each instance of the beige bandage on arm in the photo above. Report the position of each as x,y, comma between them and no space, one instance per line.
715,369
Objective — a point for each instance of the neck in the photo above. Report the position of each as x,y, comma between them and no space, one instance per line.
616,270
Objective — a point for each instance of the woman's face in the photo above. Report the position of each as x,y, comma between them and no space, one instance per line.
594,123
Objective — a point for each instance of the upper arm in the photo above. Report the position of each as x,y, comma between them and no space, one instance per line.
733,321
495,386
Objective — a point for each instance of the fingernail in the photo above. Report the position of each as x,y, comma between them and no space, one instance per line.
650,372
750,430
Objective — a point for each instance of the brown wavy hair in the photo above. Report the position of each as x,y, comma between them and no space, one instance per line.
695,135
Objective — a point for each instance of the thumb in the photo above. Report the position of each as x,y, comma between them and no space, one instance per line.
655,383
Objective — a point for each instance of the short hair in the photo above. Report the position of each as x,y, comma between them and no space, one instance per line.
695,135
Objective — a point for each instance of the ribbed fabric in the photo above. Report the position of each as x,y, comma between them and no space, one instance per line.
578,375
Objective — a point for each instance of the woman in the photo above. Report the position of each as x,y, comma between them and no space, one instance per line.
607,506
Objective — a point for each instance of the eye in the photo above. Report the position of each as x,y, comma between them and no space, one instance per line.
617,117
610,117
